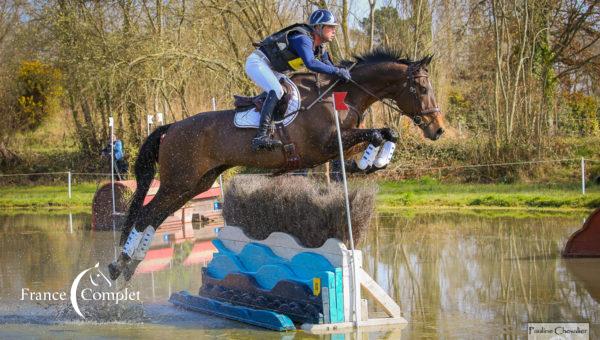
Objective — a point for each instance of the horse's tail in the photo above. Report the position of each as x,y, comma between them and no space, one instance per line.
145,168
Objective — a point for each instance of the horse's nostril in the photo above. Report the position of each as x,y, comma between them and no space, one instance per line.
440,131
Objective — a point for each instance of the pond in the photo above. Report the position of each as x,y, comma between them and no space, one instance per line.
454,275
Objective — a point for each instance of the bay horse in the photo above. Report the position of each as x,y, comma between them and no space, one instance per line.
193,152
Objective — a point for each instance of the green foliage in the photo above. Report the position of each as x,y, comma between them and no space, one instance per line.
393,30
582,113
459,107
38,94
492,201
387,22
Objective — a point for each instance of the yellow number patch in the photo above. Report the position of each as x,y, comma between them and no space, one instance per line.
296,64
316,286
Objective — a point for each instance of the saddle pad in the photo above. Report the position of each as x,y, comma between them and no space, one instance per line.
249,119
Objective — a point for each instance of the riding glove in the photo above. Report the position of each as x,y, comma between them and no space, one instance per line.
343,74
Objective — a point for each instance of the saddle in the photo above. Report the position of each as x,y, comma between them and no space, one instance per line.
243,103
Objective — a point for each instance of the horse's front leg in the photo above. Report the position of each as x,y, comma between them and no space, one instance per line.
354,137
376,137
390,134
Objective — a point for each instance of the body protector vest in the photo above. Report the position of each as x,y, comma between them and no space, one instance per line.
276,48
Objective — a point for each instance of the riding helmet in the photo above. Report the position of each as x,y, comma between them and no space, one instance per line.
322,17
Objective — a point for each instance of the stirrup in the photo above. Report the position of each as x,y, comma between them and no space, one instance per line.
264,142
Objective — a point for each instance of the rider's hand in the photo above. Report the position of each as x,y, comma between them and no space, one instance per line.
343,74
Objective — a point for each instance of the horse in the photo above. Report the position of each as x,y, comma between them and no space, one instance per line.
193,152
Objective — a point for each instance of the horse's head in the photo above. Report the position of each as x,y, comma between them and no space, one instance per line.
414,96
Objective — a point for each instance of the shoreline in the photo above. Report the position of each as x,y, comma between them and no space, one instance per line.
392,196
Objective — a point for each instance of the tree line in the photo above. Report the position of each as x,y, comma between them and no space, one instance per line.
513,75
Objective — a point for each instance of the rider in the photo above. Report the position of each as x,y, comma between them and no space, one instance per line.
288,50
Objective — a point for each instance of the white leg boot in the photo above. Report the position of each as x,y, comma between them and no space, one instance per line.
133,240
144,244
385,155
368,157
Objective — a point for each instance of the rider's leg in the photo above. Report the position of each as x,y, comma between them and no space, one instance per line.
260,72
262,140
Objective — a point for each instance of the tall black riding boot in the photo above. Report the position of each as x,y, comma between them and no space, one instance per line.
262,139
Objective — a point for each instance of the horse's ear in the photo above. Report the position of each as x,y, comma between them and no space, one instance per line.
426,61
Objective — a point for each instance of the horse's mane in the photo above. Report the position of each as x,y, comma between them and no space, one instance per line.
380,54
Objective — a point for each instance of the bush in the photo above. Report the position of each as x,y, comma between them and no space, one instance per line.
38,94
309,210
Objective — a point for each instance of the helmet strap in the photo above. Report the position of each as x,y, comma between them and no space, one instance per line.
319,30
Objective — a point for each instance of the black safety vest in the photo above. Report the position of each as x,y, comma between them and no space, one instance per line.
277,48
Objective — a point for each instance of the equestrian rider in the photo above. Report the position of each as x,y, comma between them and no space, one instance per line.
288,50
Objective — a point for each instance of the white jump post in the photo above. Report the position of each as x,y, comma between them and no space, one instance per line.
355,287
214,107
582,176
69,180
149,121
112,163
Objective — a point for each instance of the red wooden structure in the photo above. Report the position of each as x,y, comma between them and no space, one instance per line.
585,242
201,208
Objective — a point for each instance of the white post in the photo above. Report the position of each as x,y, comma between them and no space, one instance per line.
70,222
582,176
69,180
160,118
214,107
221,188
149,119
349,218
112,163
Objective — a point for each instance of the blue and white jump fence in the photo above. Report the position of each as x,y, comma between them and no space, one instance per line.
277,283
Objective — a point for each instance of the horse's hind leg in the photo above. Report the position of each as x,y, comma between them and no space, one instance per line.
151,216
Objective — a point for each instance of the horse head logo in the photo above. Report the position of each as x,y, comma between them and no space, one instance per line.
95,277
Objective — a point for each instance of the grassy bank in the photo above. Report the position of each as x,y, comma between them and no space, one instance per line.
47,197
392,195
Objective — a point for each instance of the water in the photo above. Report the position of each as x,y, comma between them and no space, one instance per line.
454,275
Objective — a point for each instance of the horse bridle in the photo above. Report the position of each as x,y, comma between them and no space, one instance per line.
417,118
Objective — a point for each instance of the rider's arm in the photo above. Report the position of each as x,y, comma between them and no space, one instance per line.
302,45
326,58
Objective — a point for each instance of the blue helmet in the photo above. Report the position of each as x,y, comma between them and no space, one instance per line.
322,17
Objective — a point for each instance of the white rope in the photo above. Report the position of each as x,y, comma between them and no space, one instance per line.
399,168
36,173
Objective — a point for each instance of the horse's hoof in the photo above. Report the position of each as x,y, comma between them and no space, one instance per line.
372,169
129,269
114,271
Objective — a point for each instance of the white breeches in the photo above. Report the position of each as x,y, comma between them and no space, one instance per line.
258,69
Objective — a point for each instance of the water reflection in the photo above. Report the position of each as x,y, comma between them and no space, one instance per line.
476,276
454,275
